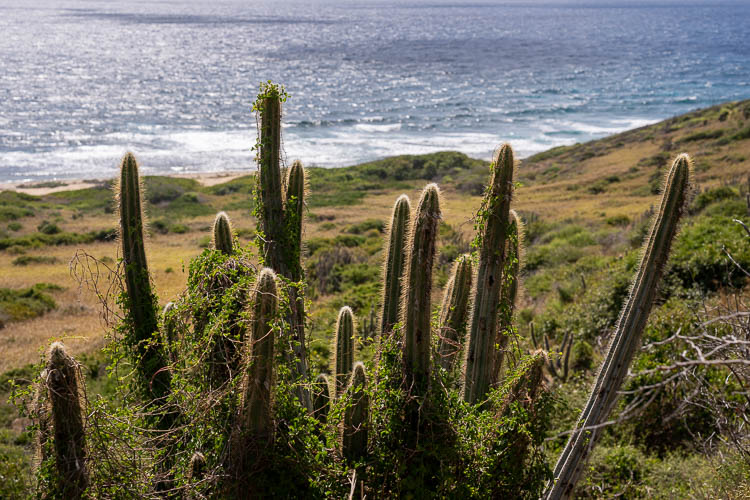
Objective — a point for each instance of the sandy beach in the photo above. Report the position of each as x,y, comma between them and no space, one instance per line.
48,187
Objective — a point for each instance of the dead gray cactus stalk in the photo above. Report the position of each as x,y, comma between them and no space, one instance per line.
627,336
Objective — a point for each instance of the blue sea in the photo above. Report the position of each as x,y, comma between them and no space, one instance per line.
81,82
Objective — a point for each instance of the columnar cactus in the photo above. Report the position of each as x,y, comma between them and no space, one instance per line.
393,268
508,292
155,378
354,432
343,360
627,336
415,306
64,393
280,222
454,311
256,398
271,209
480,355
321,398
222,233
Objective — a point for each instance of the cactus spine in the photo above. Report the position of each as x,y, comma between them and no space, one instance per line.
454,311
393,268
508,292
626,339
63,390
415,312
480,359
354,434
154,377
222,233
344,348
321,398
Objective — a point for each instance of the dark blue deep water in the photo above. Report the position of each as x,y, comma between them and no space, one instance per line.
81,82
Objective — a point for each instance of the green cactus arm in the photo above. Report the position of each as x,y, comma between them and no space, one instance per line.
222,233
454,311
479,358
343,349
393,266
627,336
415,306
259,379
354,429
508,293
270,209
64,390
293,219
155,378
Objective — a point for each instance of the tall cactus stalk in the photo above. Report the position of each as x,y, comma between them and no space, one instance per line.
393,268
627,336
222,233
321,398
354,431
271,209
293,217
508,292
257,396
151,365
479,359
415,306
64,393
454,311
280,221
343,360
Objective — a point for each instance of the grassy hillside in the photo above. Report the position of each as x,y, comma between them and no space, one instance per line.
586,209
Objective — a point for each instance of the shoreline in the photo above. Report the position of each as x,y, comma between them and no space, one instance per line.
44,188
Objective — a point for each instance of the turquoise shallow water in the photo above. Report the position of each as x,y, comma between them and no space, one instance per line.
82,82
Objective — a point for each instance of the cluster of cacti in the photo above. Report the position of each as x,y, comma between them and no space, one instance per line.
475,319
559,365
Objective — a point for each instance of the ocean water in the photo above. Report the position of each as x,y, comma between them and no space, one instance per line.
81,82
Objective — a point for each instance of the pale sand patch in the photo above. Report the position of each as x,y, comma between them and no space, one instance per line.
207,179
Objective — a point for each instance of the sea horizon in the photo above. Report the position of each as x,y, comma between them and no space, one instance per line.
174,82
